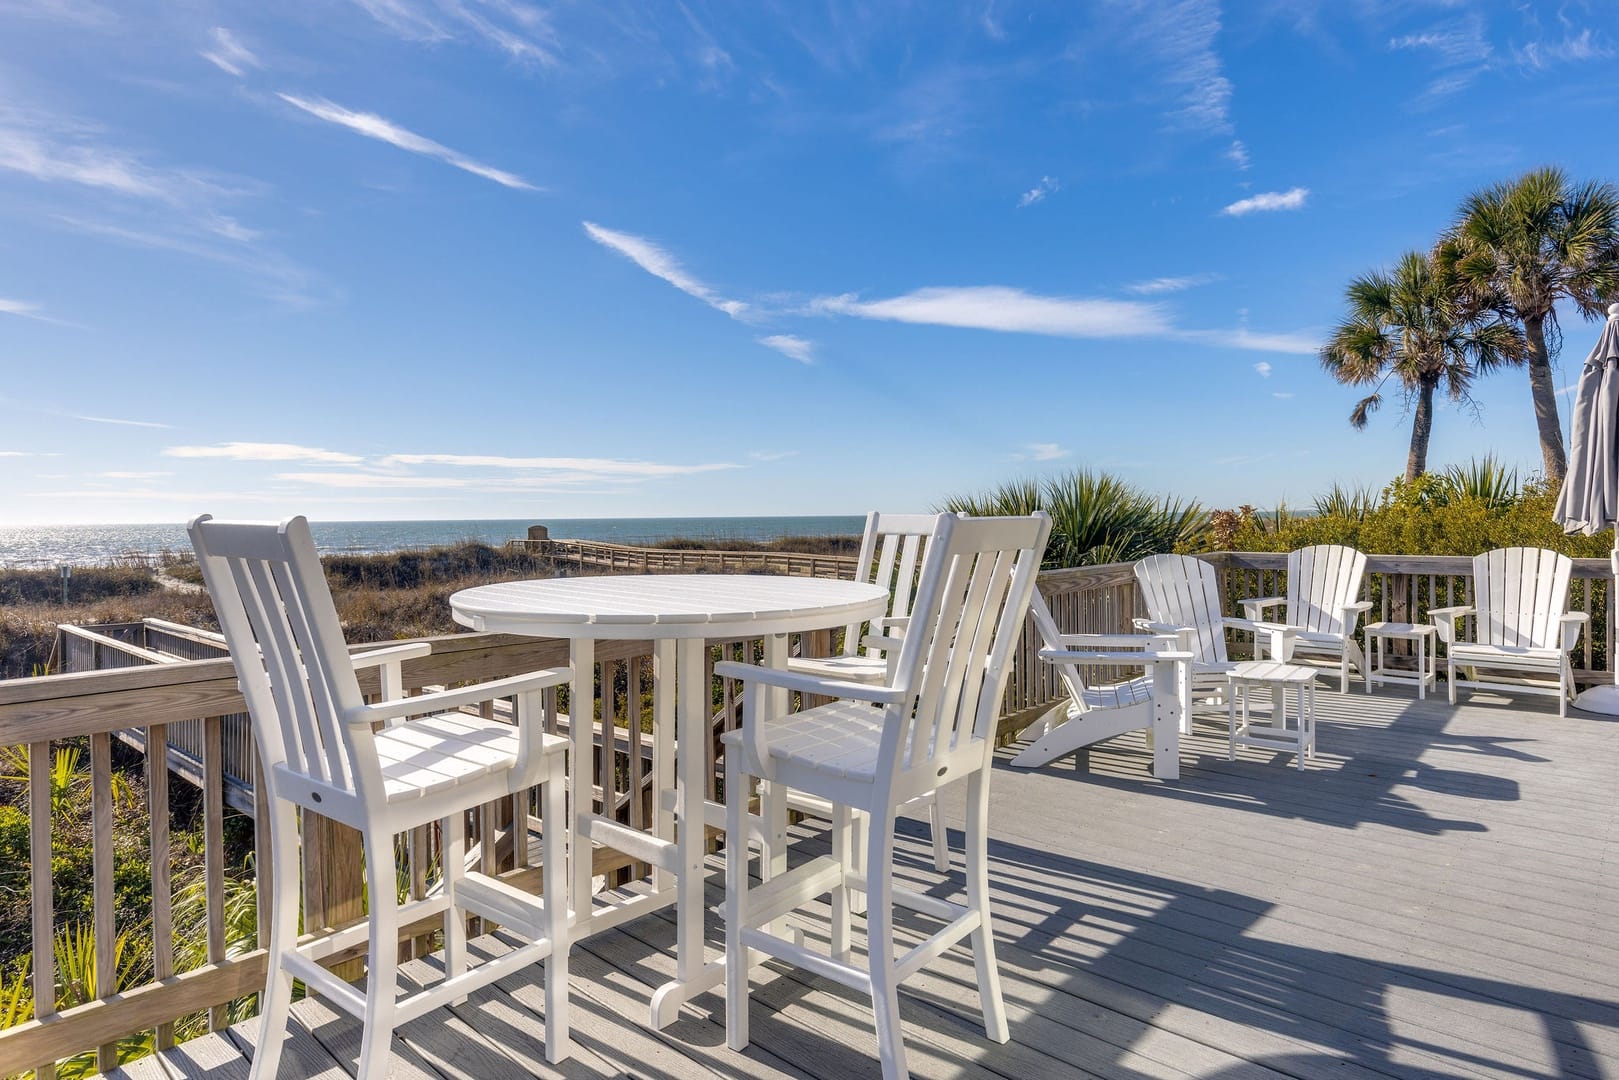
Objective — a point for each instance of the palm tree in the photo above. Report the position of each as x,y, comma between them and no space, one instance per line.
1419,326
1537,240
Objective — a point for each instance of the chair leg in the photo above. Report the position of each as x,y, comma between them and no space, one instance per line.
554,882
941,837
736,902
880,944
1450,677
453,854
857,854
842,842
983,938
276,1003
382,958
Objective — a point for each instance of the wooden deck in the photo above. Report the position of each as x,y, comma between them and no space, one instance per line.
1435,896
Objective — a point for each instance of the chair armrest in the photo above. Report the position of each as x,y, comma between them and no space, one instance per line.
808,684
1255,609
392,654
446,700
391,660
1444,618
1163,627
1114,641
1091,658
1573,624
880,643
1359,606
893,622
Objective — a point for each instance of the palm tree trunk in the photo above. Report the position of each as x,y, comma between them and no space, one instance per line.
1552,454
1416,463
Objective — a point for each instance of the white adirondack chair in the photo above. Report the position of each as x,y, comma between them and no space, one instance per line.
1092,714
1182,597
1523,625
1323,602
891,552
873,750
325,750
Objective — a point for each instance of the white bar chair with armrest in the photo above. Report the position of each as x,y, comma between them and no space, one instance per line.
872,750
892,549
326,751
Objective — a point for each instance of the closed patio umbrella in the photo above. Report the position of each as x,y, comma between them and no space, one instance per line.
1589,501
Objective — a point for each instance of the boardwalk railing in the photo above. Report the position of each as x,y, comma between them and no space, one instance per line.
88,709
621,558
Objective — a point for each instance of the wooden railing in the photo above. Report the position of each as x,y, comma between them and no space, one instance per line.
43,713
621,558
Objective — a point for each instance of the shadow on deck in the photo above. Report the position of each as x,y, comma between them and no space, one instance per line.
1433,897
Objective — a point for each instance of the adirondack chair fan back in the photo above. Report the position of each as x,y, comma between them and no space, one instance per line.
1521,624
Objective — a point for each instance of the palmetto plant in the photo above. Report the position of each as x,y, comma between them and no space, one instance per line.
1420,327
1095,517
1352,503
1484,480
1537,240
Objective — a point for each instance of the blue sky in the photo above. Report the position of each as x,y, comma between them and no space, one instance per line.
501,258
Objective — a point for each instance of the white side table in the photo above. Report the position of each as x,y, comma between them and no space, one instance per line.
1294,732
1379,634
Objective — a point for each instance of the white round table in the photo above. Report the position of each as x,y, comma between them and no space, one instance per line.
680,613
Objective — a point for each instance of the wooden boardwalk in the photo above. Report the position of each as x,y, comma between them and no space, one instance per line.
1438,895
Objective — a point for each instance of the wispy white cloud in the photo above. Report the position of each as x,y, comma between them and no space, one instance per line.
1283,394
114,420
228,54
258,451
997,307
122,475
18,453
52,150
1460,50
1042,451
1010,310
1237,154
1295,344
1573,48
772,455
1156,286
791,346
373,126
1264,369
1046,186
598,466
658,262
1291,199
23,309
1177,37
519,30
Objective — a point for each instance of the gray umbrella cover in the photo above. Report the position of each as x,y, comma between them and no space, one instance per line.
1589,501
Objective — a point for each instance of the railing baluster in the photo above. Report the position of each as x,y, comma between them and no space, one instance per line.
157,803
104,914
213,831
41,893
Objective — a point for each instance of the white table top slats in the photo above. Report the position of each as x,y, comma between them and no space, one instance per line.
642,606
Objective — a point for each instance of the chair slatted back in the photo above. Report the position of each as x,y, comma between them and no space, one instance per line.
1320,580
1182,591
1521,593
276,613
977,583
892,550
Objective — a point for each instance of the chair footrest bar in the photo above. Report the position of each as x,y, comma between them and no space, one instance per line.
915,901
324,945
422,1002
797,955
343,994
642,846
936,943
788,892
503,903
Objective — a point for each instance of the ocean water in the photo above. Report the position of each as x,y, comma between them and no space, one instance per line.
80,545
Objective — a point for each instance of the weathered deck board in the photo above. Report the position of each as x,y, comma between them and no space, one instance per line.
1437,895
